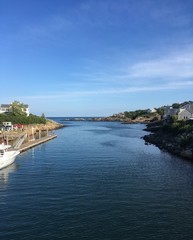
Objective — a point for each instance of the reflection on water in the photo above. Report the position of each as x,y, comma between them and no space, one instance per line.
5,173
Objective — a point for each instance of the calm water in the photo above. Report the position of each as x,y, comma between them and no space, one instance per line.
97,181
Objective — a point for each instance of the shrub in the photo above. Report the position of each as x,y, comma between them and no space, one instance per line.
178,127
185,141
22,119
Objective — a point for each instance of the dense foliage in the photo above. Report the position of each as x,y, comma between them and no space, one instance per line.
17,116
176,105
17,108
160,111
179,127
138,113
22,119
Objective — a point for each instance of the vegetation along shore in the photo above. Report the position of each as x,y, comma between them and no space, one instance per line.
171,126
176,137
16,123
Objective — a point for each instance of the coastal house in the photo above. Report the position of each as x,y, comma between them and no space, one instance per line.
25,109
151,110
187,106
120,115
7,108
185,114
7,126
169,112
186,111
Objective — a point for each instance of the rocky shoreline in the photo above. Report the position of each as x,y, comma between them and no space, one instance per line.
125,120
49,126
180,144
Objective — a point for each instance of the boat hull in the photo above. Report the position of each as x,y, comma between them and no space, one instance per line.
8,158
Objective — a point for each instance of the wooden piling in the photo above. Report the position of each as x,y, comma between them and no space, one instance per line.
29,145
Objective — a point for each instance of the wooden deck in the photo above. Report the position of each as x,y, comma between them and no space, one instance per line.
31,144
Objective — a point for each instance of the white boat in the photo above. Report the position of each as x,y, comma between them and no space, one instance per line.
7,157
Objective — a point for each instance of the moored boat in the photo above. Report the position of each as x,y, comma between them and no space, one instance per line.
7,156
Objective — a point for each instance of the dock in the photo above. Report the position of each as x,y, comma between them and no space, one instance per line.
23,141
35,142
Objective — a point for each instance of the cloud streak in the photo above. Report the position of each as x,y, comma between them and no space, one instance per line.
99,92
165,68
178,66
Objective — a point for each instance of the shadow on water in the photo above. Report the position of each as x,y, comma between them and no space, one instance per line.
109,143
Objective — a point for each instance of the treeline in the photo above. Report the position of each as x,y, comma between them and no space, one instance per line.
179,105
22,119
139,113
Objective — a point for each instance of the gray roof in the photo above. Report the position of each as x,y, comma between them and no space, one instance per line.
5,105
187,106
188,110
9,105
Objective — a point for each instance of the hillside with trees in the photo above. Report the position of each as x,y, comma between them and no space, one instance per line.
17,116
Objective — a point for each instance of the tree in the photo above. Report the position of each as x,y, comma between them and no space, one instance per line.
43,115
176,105
17,108
160,111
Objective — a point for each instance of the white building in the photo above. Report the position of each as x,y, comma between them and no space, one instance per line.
7,108
186,112
151,110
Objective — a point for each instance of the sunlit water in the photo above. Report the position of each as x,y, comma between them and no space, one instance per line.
97,180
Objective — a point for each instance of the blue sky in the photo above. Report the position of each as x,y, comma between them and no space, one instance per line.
95,57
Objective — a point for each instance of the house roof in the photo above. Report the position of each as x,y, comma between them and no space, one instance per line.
188,110
5,105
9,105
187,106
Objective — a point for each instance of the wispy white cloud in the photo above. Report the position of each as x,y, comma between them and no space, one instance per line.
109,91
165,67
174,66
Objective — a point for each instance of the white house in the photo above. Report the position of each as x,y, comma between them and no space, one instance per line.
186,112
25,109
7,126
7,108
151,110
4,108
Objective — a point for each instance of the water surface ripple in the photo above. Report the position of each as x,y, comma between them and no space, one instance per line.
97,180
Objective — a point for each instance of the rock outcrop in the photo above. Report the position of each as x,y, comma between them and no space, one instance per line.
180,144
126,120
49,126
